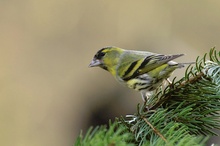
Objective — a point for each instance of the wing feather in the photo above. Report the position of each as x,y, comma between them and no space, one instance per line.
135,63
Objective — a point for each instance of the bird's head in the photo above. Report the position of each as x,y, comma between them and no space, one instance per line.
107,58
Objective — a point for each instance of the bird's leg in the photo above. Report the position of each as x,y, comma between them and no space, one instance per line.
145,98
170,83
168,80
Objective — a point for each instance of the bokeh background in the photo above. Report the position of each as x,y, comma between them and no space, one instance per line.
48,93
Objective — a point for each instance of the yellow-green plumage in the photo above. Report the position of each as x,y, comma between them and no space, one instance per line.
139,70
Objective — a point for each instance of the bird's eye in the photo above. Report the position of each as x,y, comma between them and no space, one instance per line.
100,55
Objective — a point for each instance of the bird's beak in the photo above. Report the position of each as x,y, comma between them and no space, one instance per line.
94,63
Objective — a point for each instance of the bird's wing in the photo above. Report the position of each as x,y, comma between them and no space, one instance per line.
137,63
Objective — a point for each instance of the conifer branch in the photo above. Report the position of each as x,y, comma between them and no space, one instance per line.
182,84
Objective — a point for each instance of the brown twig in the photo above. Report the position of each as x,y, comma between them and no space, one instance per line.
154,129
191,80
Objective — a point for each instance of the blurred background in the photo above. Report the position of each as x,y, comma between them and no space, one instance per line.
48,93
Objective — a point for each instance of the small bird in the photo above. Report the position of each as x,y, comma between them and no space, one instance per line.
140,70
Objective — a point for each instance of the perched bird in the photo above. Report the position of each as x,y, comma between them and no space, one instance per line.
140,70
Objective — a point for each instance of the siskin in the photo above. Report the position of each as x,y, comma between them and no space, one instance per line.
140,70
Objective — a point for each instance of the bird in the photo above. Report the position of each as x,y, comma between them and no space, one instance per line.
142,71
